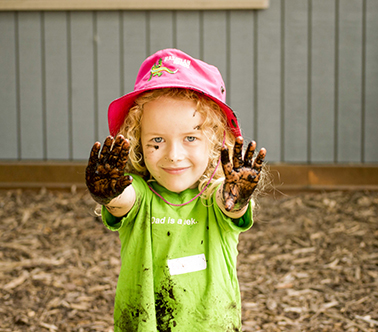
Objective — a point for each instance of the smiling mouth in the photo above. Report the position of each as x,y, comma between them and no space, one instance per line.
173,171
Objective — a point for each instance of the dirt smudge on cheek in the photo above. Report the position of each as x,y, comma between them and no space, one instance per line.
156,147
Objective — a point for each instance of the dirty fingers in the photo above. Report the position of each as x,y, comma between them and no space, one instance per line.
241,176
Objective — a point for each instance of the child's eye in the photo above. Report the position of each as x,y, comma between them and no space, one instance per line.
191,138
158,139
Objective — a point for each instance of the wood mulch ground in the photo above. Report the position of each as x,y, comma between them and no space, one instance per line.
310,263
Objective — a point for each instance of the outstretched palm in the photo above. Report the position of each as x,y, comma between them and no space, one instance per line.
104,174
241,176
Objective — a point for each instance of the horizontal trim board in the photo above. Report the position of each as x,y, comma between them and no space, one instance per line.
30,174
328,175
285,177
132,4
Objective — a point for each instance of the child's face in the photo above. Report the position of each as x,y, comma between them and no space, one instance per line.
175,149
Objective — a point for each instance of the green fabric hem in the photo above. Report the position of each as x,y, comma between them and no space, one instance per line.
111,222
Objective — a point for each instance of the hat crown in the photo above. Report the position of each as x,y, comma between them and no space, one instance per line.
174,68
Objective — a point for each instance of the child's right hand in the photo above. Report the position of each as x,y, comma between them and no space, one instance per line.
104,174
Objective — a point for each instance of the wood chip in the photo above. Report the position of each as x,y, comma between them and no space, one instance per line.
309,263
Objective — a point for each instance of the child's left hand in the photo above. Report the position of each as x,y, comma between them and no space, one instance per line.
241,176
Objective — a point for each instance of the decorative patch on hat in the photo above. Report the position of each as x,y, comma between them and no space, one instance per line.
157,70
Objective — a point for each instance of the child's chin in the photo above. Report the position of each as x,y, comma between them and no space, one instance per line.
176,189
179,187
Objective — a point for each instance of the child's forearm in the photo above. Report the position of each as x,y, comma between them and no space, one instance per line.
238,210
122,204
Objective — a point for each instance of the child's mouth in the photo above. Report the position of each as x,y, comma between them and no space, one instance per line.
175,171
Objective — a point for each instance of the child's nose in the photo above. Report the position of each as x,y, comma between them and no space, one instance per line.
175,152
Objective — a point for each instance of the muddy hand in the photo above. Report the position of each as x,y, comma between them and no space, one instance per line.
104,174
241,176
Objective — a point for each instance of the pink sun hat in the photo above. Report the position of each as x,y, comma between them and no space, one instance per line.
172,68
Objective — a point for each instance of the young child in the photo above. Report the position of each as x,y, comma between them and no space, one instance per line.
178,214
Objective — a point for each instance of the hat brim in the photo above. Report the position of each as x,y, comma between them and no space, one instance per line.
119,108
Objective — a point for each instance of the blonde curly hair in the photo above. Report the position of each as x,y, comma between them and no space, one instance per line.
214,127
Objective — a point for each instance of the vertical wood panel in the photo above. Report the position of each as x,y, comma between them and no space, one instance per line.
241,75
269,80
295,81
8,93
350,78
56,78
60,70
371,83
108,66
82,64
161,30
188,32
135,48
32,131
323,81
215,51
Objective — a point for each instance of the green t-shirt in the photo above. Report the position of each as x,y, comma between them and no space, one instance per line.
178,269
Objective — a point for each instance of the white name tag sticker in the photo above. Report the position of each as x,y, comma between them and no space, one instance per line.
187,264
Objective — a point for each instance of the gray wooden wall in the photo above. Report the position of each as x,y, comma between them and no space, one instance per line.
302,75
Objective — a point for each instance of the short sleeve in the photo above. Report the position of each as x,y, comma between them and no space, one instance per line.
239,225
110,221
246,221
115,223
